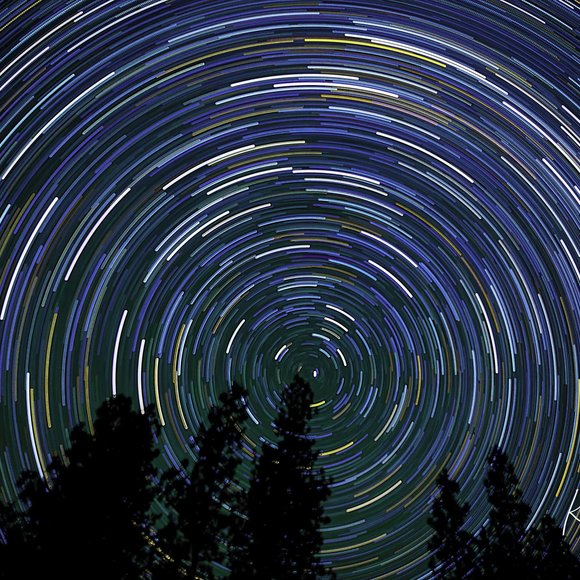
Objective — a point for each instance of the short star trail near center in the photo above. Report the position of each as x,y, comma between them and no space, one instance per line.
382,196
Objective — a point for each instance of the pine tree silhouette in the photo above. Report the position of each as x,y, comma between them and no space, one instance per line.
91,519
550,553
502,541
203,502
452,548
281,536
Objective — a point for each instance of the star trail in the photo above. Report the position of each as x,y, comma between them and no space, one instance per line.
380,195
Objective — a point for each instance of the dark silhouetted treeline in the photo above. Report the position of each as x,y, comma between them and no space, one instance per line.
506,547
103,509
93,515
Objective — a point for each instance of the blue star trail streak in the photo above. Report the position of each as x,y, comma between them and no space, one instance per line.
382,195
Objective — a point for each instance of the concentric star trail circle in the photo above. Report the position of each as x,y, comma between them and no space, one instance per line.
382,196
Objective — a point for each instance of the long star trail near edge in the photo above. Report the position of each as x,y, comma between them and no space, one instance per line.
382,195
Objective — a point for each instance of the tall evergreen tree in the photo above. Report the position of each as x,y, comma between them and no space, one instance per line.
550,554
202,503
452,548
281,537
91,518
502,540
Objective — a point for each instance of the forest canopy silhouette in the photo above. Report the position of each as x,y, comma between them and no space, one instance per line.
505,547
96,512
93,515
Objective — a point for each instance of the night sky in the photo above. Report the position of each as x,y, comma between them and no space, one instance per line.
382,195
